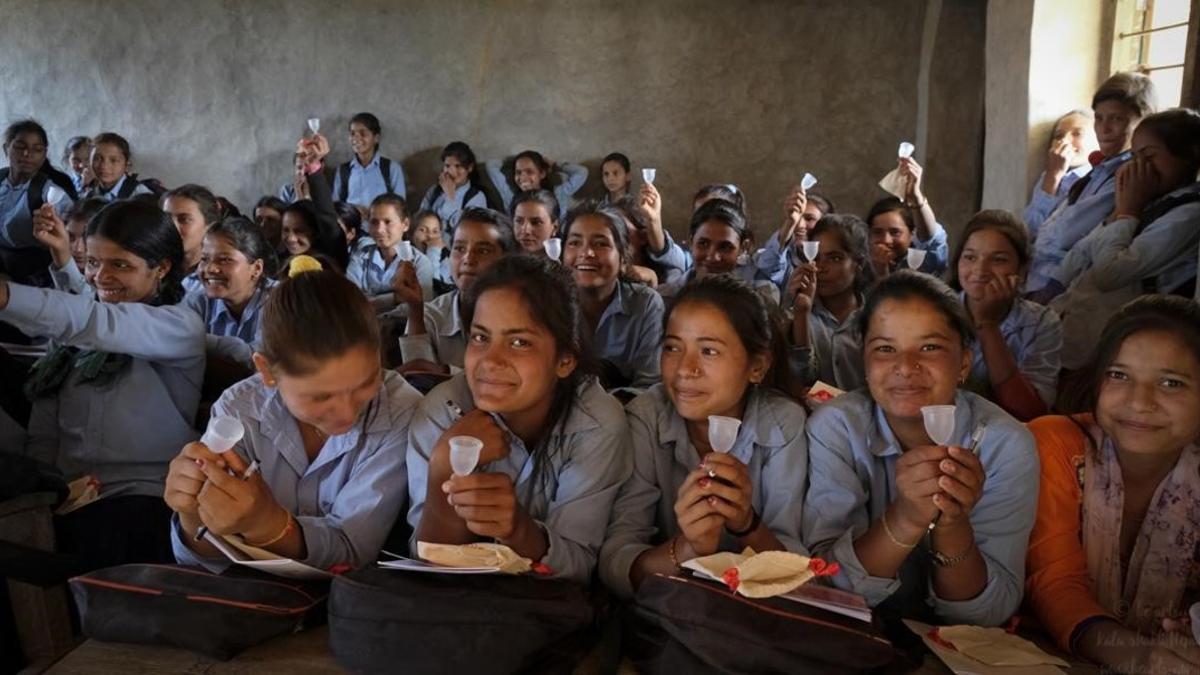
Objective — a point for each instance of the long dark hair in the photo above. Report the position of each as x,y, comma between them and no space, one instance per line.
906,285
852,235
249,239
755,321
548,292
328,240
146,231
1006,224
205,200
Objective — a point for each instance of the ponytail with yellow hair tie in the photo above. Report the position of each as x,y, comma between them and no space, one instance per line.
303,263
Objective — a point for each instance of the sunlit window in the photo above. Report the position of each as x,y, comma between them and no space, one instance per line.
1151,38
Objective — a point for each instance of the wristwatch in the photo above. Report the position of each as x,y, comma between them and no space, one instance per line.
942,560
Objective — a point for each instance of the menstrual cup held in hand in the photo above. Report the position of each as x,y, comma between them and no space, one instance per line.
808,182
939,423
811,249
314,124
906,150
915,258
222,434
553,247
722,432
464,454
648,175
55,194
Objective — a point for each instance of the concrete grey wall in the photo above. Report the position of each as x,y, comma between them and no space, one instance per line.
754,92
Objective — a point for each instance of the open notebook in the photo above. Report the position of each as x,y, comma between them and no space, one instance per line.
241,553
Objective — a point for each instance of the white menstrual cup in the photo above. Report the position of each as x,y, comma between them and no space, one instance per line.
405,251
553,247
915,257
939,423
314,124
648,175
722,432
811,248
55,194
906,150
222,434
464,454
808,182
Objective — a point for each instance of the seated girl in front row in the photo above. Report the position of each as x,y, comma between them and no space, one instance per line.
877,482
116,397
327,425
1113,553
722,355
555,444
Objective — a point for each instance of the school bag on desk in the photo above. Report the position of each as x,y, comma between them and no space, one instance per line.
218,615
683,624
384,620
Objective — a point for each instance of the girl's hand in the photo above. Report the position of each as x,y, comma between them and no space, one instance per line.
405,286
912,172
731,487
918,472
1138,184
793,216
1058,159
644,275
961,485
185,478
320,146
802,288
650,205
882,258
447,183
487,504
231,504
480,425
51,232
998,297
87,176
697,516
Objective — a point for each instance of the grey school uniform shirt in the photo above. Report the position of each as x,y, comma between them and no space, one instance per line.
582,479
852,455
629,334
127,430
771,443
347,498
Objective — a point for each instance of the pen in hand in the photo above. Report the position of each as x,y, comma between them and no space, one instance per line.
250,471
974,448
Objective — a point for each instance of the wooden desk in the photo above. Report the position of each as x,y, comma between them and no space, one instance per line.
305,653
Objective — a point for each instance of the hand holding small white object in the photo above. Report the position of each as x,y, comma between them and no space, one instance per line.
722,432
808,182
915,257
314,124
553,247
405,251
649,174
811,249
464,454
906,150
55,194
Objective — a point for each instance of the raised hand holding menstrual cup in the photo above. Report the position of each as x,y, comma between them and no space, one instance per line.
314,124
808,182
906,150
464,454
811,249
649,174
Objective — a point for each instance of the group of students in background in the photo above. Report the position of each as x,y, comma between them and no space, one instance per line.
353,337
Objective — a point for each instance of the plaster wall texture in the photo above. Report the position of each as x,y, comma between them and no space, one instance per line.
754,92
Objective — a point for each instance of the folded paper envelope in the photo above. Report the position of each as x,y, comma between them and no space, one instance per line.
474,555
894,183
761,575
995,646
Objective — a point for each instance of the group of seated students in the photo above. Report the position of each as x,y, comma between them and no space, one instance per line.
590,378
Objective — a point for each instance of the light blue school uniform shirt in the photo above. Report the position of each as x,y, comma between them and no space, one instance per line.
571,177
70,279
368,182
345,500
673,260
587,468
775,262
450,210
771,443
127,430
1034,336
629,334
444,341
1115,264
834,354
369,272
852,455
937,252
232,337
1042,203
1067,223
110,194
16,226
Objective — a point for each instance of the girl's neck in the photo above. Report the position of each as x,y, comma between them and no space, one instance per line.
969,303
1146,470
529,425
614,197
312,438
697,430
840,305
593,301
191,260
388,253
365,159
236,306
15,179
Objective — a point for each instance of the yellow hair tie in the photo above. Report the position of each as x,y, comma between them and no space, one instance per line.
303,263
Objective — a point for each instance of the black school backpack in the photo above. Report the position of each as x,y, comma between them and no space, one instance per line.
37,185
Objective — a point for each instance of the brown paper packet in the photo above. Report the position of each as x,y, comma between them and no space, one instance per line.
996,647
479,554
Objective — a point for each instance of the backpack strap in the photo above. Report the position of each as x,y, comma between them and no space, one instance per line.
127,188
343,183
385,170
33,196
